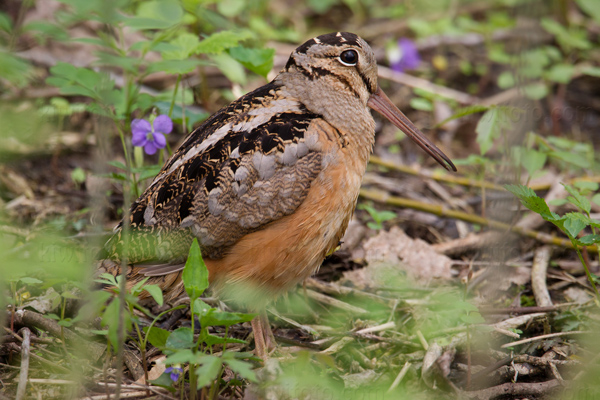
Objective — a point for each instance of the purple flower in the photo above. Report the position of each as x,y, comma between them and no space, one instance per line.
174,373
151,138
405,56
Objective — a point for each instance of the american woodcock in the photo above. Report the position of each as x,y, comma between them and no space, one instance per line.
269,183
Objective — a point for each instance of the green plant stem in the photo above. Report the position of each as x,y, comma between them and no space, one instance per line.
443,211
130,175
174,95
587,271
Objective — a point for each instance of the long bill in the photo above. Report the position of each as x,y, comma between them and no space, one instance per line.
382,104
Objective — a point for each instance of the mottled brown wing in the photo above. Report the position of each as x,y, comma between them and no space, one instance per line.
246,166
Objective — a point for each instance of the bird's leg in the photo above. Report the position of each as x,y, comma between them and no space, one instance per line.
259,338
270,342
264,340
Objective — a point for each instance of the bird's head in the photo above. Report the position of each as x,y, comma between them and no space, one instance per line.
335,75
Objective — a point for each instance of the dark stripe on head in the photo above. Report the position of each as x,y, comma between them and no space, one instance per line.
318,72
303,48
367,82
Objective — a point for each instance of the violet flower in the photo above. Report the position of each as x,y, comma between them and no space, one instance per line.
404,56
151,136
174,373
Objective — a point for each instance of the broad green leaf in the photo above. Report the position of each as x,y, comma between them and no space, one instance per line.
577,199
472,318
533,160
586,186
29,281
110,319
182,47
536,91
195,273
531,200
180,338
215,317
208,371
157,336
259,61
183,356
573,224
591,7
589,239
561,73
212,340
596,199
201,308
14,69
571,157
156,293
592,71
506,80
491,125
5,22
221,41
233,70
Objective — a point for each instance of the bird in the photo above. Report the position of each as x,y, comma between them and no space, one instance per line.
268,184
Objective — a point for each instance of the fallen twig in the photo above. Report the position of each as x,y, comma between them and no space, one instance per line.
515,389
538,276
442,211
22,387
541,337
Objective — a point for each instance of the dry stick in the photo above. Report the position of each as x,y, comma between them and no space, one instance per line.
22,387
533,339
400,376
436,176
515,389
412,81
538,277
442,211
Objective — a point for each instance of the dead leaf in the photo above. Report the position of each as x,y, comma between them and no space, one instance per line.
155,372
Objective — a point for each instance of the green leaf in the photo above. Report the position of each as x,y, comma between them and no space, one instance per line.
157,336
533,160
160,14
78,175
221,41
573,224
182,47
561,73
211,340
214,317
183,356
233,70
491,125
531,200
419,103
591,7
592,71
243,368
462,112
180,338
208,371
586,186
5,22
201,308
14,69
589,239
596,199
577,199
110,318
472,319
156,293
175,66
536,91
29,281
195,273
259,61
506,80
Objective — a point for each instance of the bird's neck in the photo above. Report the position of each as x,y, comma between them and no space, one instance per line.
343,110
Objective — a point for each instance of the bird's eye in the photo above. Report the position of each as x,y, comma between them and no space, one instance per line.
349,57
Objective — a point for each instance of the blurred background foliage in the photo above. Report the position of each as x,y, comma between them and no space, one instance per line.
523,105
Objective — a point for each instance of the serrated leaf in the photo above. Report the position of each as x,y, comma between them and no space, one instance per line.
589,239
182,47
573,224
157,336
212,340
208,371
183,356
195,273
577,199
156,293
531,200
243,368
